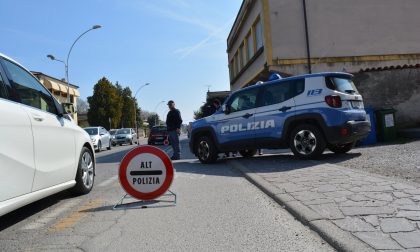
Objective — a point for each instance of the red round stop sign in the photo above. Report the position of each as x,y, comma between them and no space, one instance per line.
146,172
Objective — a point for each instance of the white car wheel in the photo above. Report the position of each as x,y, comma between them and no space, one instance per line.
85,172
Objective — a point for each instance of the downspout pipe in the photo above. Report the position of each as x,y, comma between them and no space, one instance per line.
308,49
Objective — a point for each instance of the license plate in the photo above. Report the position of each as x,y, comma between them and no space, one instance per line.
357,104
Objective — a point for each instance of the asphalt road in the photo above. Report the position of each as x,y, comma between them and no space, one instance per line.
217,210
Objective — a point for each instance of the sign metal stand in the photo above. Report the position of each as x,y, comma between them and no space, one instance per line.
166,200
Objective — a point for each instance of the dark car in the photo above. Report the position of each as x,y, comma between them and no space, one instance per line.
158,134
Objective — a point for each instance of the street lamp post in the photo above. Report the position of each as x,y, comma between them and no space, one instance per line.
135,109
66,63
157,105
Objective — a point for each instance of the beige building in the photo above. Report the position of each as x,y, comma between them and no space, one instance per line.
59,89
376,40
271,36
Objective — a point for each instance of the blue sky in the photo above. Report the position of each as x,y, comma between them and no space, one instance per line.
179,46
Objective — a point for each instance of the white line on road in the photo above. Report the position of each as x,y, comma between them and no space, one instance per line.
108,181
45,219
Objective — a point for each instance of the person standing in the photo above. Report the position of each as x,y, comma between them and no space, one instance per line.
216,105
173,124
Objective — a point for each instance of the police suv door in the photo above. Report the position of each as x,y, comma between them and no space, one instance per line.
275,105
235,129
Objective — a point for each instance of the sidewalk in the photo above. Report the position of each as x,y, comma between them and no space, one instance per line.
352,210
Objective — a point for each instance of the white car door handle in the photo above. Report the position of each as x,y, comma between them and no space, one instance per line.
37,117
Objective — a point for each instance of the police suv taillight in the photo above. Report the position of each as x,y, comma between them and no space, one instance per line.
333,101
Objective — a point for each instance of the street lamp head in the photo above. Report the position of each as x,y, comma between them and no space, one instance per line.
147,84
51,56
96,26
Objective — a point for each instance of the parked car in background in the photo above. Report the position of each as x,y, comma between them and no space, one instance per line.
41,151
112,133
157,134
100,137
126,136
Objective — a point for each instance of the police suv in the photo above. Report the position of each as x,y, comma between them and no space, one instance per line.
306,113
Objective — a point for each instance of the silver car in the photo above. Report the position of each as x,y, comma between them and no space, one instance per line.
100,137
126,136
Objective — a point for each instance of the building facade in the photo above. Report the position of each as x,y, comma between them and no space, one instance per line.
292,37
59,89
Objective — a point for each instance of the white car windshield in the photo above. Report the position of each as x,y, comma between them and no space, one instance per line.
92,131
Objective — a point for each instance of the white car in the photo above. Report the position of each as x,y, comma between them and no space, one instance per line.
41,151
100,137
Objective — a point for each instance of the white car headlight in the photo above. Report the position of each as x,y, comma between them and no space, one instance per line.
94,139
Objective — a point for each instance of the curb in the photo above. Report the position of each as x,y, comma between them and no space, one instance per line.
337,238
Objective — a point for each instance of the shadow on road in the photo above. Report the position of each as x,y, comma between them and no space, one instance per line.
27,211
262,164
112,157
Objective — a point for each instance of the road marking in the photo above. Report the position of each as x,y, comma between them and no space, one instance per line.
45,219
73,218
108,181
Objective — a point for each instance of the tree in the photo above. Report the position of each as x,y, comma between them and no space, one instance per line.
139,114
203,111
198,114
82,106
105,104
153,120
128,103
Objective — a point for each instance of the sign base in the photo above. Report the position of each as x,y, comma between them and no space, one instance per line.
166,200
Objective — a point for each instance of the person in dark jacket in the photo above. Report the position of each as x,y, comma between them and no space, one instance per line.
173,124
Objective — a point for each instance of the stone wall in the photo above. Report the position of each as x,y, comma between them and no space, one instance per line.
397,88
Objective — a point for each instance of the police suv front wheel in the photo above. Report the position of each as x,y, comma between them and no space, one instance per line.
206,150
307,142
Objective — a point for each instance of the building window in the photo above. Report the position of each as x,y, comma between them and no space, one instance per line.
258,34
250,45
235,70
238,63
243,54
231,70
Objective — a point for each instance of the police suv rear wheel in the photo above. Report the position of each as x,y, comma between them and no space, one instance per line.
248,152
341,149
206,150
307,142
